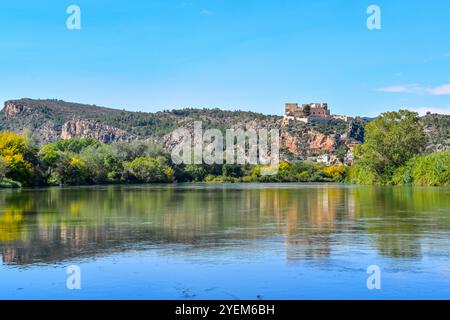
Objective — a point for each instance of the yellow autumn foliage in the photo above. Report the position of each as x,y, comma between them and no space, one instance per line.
13,149
334,172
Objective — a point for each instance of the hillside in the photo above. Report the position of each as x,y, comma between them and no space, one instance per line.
437,128
50,120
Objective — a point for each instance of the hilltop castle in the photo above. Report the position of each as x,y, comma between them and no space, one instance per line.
307,110
310,111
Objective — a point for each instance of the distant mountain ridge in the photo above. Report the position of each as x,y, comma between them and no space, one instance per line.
50,120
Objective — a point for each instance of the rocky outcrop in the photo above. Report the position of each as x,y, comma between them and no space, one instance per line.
308,142
94,129
290,142
437,131
321,142
13,109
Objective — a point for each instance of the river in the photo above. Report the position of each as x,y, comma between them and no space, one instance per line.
225,241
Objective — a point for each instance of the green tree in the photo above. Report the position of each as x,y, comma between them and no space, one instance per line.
103,164
307,110
50,155
70,170
425,170
75,145
3,168
390,140
232,170
196,172
147,170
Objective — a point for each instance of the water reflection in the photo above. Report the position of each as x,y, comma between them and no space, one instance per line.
51,225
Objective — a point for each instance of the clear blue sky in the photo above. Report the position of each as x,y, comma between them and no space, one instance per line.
256,55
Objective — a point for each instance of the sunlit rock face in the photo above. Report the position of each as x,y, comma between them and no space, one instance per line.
12,109
96,130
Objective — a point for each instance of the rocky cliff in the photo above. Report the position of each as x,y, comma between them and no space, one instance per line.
50,120
78,128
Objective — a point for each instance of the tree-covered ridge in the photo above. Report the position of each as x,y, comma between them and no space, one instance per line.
142,124
164,122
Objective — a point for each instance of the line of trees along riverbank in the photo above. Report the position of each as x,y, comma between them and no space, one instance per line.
391,154
87,161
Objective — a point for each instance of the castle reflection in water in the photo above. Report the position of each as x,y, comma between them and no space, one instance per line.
46,226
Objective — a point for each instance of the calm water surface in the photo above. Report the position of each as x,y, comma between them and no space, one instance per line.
252,241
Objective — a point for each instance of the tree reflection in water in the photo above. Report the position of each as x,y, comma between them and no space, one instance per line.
50,225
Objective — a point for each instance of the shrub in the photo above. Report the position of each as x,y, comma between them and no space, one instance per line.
425,170
8,183
147,170
335,173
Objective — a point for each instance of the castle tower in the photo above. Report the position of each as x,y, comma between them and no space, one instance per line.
290,109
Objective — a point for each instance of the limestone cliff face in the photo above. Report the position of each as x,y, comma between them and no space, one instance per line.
94,129
290,142
321,141
308,142
12,109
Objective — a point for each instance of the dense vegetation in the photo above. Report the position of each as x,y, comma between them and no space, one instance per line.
394,152
87,161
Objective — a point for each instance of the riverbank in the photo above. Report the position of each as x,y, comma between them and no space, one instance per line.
9,184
